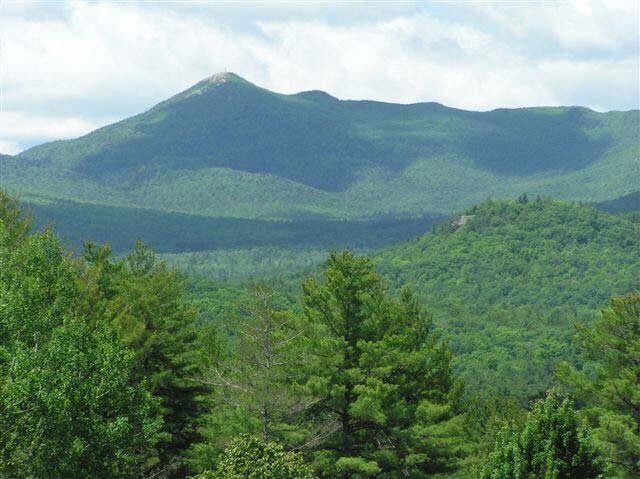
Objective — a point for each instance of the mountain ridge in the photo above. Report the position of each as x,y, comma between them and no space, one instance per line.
224,77
227,148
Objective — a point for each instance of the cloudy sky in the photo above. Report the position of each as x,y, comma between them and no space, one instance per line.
67,68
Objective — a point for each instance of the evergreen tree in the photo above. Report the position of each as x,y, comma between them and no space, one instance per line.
610,385
384,381
260,377
551,446
255,384
145,302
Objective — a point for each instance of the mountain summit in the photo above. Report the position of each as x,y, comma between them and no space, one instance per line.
222,77
226,147
216,80
208,85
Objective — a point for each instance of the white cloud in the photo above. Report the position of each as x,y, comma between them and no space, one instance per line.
9,147
20,126
69,68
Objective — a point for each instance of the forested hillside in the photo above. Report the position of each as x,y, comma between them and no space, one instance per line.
405,246
625,204
507,280
108,369
226,148
420,361
172,232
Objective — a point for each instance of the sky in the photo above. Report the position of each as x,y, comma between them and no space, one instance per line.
67,68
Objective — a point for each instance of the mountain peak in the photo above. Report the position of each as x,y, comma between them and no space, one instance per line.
208,84
222,77
218,78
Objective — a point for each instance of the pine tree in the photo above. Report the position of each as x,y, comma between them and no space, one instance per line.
610,385
553,445
254,385
145,303
384,381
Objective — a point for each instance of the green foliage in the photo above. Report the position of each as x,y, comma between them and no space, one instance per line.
383,378
609,383
215,301
117,367
16,224
255,383
313,151
178,232
248,457
69,404
485,422
508,279
625,204
84,419
552,446
146,304
248,264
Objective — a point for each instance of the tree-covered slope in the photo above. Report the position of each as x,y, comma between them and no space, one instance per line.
171,232
625,204
226,147
508,279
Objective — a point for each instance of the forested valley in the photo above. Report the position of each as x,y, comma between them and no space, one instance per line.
502,344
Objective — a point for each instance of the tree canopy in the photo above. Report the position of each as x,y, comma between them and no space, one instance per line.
608,384
385,380
70,404
552,445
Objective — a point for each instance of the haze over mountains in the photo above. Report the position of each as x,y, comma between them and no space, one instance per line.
226,148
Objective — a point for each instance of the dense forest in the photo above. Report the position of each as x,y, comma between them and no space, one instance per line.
509,284
172,232
119,366
402,243
625,204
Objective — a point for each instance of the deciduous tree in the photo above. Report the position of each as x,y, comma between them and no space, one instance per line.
69,404
249,457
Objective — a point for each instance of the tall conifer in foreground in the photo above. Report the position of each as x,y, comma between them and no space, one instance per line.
145,302
384,378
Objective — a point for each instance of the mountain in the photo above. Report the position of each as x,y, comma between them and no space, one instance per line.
507,280
226,148
625,204
171,232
